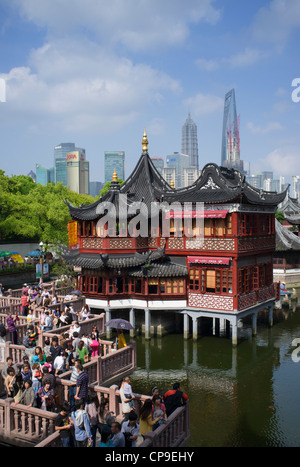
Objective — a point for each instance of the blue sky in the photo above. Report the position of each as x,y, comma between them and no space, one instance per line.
97,72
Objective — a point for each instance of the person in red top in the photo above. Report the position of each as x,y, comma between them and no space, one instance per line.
25,304
174,398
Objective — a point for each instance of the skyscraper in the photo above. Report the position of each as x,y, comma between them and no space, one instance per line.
60,161
114,161
189,142
78,176
158,163
230,152
179,162
42,175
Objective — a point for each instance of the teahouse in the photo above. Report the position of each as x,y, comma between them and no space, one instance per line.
204,251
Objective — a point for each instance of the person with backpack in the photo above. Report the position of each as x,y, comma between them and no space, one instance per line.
174,398
83,433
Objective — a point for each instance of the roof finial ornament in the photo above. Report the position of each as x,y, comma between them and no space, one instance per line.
115,176
145,142
172,184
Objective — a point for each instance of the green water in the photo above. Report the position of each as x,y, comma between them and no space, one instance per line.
247,396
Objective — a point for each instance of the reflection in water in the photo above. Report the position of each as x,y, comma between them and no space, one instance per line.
244,396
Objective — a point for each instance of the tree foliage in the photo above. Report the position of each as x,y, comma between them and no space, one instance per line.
280,216
35,212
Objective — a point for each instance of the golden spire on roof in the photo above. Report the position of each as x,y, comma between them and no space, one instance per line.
115,176
172,184
145,142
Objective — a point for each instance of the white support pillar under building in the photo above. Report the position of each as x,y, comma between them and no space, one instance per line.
234,331
132,322
195,328
186,326
147,324
108,318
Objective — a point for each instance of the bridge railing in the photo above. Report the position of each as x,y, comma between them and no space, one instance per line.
25,424
174,433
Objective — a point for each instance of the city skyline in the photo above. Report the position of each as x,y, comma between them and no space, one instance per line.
82,84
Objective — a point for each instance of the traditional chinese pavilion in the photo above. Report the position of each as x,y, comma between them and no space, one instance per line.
225,275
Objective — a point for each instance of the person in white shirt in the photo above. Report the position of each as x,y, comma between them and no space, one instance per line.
60,363
75,328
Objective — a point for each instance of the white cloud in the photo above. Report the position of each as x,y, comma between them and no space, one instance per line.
283,161
275,22
271,126
202,104
248,57
136,24
207,65
81,87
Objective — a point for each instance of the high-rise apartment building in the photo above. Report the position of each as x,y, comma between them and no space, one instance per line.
114,160
190,175
78,175
60,161
189,141
230,152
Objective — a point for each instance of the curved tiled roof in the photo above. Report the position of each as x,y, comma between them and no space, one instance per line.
285,239
216,185
98,261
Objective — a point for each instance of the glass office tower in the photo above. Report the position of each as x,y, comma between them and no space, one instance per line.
230,152
60,161
114,161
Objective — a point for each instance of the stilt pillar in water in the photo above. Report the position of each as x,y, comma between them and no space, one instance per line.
195,328
108,318
186,326
147,324
234,333
132,322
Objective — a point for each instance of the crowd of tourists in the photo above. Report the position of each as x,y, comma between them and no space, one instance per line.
33,382
38,304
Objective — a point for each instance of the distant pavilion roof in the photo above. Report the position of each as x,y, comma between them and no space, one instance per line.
285,239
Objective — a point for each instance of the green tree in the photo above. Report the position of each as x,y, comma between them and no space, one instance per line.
33,211
280,216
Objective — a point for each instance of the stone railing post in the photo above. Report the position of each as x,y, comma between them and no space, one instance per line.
113,399
8,419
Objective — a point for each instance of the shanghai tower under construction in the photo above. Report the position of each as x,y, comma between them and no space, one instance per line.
230,153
